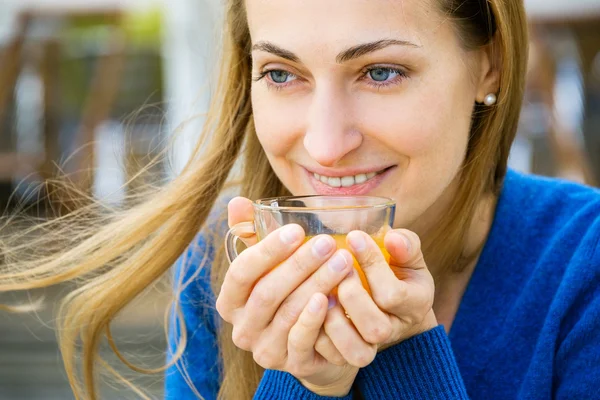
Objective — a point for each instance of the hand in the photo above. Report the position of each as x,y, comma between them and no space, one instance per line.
402,292
274,295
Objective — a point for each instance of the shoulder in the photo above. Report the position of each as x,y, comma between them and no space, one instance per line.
551,202
560,226
547,231
548,213
547,234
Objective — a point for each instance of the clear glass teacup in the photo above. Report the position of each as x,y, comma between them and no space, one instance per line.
332,215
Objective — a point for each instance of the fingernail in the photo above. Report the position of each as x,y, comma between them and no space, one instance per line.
289,234
337,263
314,305
357,242
322,247
331,302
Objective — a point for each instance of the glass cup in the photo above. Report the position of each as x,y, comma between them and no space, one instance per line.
332,215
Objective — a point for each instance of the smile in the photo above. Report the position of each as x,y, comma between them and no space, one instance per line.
346,181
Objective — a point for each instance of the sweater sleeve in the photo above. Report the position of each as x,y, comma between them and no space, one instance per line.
199,368
277,385
422,367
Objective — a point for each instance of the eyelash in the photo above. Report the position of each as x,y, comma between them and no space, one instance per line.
272,85
378,85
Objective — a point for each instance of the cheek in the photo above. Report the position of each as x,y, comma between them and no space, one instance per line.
417,125
438,137
427,127
278,124
442,127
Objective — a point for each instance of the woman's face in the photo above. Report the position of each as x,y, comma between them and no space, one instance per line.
364,97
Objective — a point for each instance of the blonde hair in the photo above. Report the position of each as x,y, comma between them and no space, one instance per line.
103,249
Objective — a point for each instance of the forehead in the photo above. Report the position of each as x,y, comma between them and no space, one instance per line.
325,23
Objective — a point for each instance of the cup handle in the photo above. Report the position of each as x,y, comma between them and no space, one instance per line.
242,229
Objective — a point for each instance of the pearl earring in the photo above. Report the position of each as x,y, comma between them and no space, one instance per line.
490,99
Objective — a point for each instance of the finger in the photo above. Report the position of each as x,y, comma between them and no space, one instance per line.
274,288
252,264
347,340
239,210
328,351
324,280
412,295
302,358
369,256
373,324
404,247
325,346
408,294
383,283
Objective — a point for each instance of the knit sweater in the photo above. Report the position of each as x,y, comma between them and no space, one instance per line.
528,325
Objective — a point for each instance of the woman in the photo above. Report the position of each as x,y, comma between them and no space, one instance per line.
414,100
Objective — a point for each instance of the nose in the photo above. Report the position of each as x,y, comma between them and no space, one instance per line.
330,134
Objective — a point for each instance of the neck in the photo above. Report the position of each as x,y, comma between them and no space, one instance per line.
476,234
480,226
450,287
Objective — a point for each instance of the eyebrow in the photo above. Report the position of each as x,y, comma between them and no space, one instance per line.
276,50
345,56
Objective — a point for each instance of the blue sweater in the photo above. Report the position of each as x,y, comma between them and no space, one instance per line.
528,326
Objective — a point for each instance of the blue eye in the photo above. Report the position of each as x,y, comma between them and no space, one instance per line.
383,74
280,76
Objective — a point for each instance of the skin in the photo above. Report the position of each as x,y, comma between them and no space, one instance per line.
315,112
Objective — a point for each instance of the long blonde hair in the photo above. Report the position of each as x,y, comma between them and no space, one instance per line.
115,255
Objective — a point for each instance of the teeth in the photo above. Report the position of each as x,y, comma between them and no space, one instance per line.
334,182
345,181
360,178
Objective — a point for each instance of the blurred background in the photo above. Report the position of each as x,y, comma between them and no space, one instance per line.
103,84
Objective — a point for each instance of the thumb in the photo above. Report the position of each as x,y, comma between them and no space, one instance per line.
240,210
404,247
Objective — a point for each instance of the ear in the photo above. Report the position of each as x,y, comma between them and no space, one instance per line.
489,71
